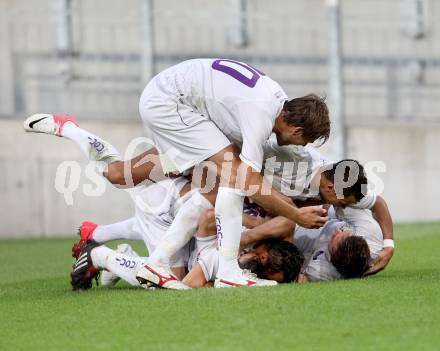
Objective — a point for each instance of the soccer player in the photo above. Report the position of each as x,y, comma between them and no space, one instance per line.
272,259
195,111
334,252
156,208
345,247
317,180
278,261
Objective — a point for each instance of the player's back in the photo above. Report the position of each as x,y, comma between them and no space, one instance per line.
293,167
224,91
364,225
313,243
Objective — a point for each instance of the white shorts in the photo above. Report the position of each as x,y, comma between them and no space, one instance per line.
204,251
183,137
154,214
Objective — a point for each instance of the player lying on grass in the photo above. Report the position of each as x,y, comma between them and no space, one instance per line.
195,111
345,247
275,260
341,249
335,252
323,190
156,208
153,216
158,192
312,179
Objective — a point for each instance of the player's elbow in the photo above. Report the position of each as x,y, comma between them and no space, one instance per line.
286,227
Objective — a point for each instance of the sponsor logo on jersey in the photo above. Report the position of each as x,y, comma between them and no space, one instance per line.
317,254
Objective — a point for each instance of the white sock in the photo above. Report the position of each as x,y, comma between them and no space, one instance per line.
116,231
94,147
124,266
228,214
181,230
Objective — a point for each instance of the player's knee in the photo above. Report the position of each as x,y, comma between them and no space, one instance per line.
115,173
207,226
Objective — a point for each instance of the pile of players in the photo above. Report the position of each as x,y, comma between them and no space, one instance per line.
232,192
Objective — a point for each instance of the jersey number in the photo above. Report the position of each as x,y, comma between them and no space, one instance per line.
234,73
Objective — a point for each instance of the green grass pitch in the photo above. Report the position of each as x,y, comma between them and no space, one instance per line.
398,309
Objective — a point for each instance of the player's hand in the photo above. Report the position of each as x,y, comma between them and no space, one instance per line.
311,217
381,261
302,278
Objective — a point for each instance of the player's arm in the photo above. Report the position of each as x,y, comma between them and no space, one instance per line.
273,201
278,227
256,128
382,215
252,221
243,176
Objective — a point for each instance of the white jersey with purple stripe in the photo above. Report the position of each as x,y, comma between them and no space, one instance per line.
295,166
240,100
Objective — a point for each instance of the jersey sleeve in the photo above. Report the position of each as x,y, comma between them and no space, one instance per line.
256,121
321,270
312,273
363,225
367,202
305,239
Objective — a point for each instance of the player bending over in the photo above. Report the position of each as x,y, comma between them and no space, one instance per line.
274,260
195,111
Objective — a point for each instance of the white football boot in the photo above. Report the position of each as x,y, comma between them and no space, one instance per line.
109,279
47,123
246,278
159,276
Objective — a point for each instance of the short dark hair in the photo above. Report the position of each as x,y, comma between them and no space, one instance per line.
309,112
283,256
254,265
358,187
352,256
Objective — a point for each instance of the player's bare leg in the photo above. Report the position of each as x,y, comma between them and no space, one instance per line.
122,173
145,166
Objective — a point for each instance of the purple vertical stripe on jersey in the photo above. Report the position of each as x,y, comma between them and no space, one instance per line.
250,82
